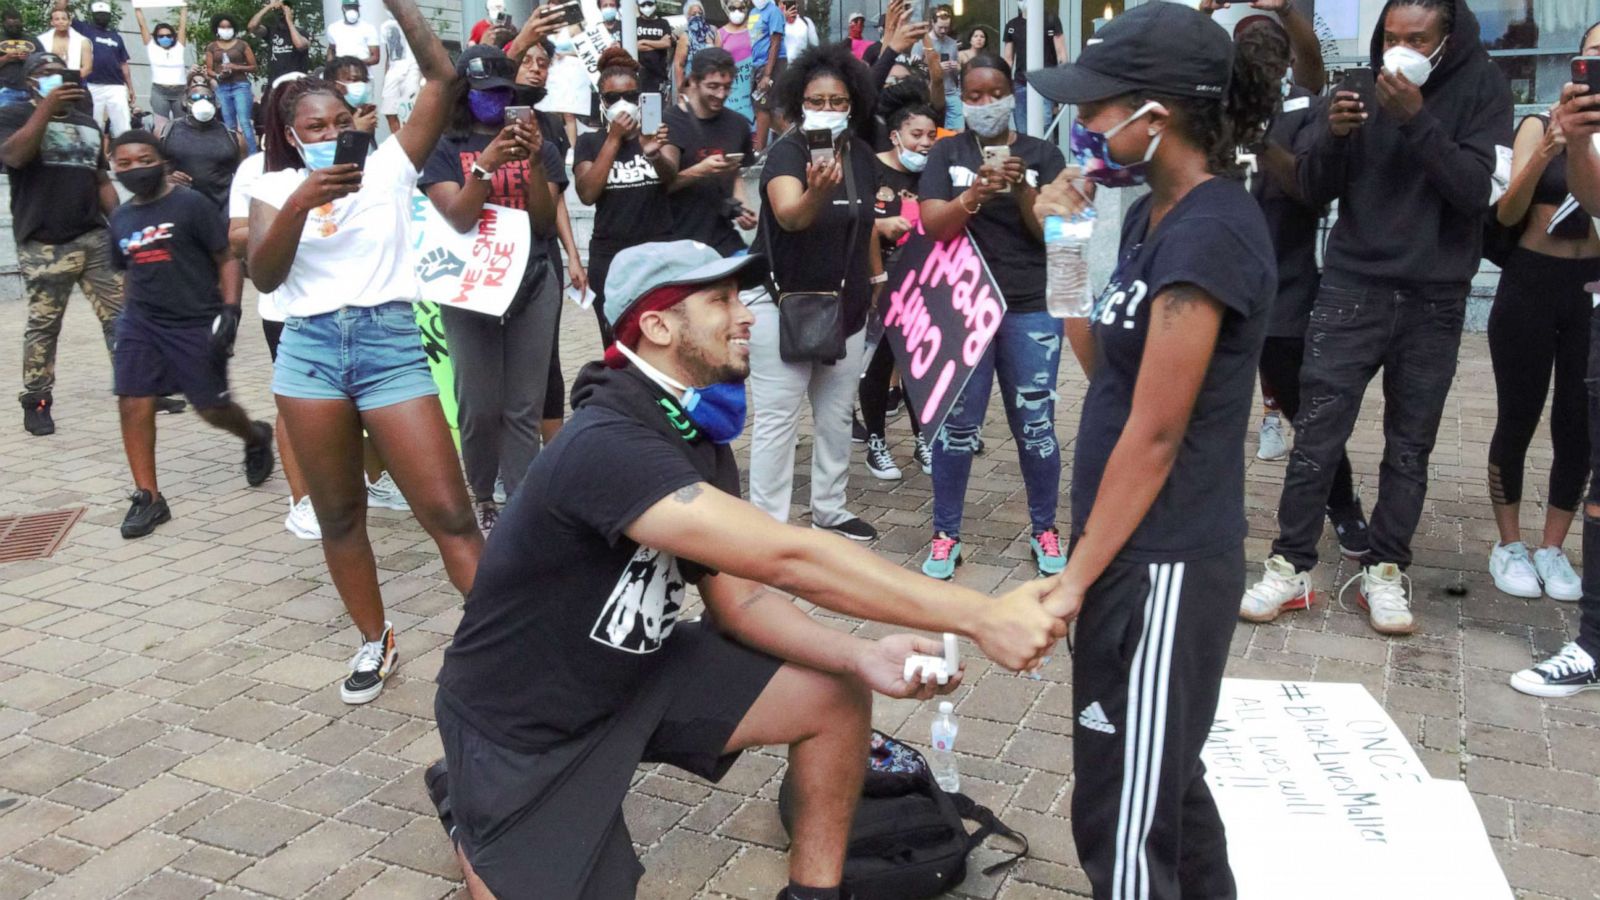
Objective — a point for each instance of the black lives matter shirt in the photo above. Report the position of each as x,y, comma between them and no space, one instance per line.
452,160
56,197
697,209
1292,223
1216,240
634,207
168,248
1014,255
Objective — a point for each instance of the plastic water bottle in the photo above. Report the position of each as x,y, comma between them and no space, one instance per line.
943,758
1066,248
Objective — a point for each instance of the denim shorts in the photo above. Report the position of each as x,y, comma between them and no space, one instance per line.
371,355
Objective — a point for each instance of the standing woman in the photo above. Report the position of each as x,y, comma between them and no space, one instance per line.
912,128
735,38
1158,521
166,49
816,231
230,62
1539,324
623,174
501,362
993,203
977,42
698,34
331,241
201,152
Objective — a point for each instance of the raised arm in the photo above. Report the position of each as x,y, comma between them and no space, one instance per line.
183,27
432,110
253,26
144,27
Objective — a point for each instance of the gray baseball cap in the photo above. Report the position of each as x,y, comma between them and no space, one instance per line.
642,268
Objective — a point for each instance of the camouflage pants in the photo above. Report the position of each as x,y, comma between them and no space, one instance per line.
49,272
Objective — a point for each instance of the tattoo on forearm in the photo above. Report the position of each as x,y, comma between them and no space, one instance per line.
688,492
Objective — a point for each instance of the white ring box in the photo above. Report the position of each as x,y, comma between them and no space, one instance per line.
939,669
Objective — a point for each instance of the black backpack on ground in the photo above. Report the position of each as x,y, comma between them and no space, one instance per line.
909,839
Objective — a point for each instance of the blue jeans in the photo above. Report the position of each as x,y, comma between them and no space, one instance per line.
235,99
1026,355
369,355
954,116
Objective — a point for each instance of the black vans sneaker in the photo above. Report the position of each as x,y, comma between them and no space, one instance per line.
145,514
1350,524
852,528
36,416
1568,672
258,454
170,406
369,668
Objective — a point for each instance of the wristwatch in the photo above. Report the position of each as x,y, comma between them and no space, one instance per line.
481,174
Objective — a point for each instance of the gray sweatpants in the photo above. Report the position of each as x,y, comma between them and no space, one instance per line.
501,365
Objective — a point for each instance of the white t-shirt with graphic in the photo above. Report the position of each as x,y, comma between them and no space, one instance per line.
352,40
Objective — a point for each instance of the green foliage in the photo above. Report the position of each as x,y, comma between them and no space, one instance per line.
307,19
821,12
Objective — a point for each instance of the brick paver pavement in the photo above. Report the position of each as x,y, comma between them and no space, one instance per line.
170,727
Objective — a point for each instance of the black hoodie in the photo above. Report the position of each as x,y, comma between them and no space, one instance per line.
1412,195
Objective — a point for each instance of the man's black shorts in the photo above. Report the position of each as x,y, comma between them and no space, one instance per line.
549,824
152,359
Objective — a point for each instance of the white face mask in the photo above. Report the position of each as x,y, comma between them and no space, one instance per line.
203,110
831,119
1408,62
736,17
620,108
225,33
352,16
992,118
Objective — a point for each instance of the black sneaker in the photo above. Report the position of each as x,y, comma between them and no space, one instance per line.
170,406
1351,527
258,454
978,450
880,462
488,515
435,779
145,514
852,528
369,667
1568,672
858,431
36,416
896,401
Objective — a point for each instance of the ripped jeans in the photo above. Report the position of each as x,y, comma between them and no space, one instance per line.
1026,355
1414,336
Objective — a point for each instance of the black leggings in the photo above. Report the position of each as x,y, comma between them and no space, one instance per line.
874,392
1281,358
1539,323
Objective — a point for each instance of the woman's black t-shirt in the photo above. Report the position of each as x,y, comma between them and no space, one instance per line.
896,196
634,207
815,259
1014,255
1216,239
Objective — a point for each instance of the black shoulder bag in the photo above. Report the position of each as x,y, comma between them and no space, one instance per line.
811,323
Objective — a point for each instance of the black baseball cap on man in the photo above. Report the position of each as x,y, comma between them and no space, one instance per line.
1160,48
485,67
41,58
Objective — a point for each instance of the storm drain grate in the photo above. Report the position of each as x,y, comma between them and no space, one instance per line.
37,535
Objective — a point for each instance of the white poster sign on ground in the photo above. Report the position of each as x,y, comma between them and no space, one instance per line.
1323,797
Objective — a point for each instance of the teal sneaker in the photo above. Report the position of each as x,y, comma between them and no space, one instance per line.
1047,551
944,555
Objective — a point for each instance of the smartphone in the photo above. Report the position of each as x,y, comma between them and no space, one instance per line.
71,76
996,156
820,142
352,148
649,113
1359,80
733,157
522,114
572,13
1586,70
917,11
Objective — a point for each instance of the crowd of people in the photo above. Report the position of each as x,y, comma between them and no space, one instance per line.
574,535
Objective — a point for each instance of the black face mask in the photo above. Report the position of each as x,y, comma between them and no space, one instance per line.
13,31
528,95
143,181
102,19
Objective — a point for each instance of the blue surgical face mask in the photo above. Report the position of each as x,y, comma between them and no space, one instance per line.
563,43
609,14
48,83
318,155
356,92
718,410
1092,150
166,41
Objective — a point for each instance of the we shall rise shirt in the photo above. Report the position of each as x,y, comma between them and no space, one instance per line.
168,248
1215,239
634,207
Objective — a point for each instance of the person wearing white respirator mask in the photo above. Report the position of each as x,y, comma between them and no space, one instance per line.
230,62
655,50
1414,177
201,152
332,241
623,174
494,14
815,229
351,36
738,38
965,189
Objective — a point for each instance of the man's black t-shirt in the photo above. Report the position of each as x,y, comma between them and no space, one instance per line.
634,207
1014,255
168,249
697,209
567,612
282,55
56,197
1017,35
814,259
1216,240
11,71
208,153
654,65
1292,223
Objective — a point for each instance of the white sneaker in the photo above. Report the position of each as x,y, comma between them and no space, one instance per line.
1383,595
1513,571
1555,570
1280,589
1274,444
302,520
385,494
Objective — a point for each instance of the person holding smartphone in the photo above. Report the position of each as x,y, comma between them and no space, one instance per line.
1414,174
501,362
984,183
331,240
713,144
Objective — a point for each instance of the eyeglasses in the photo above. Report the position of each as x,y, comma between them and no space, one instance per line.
480,67
837,104
611,97
196,98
